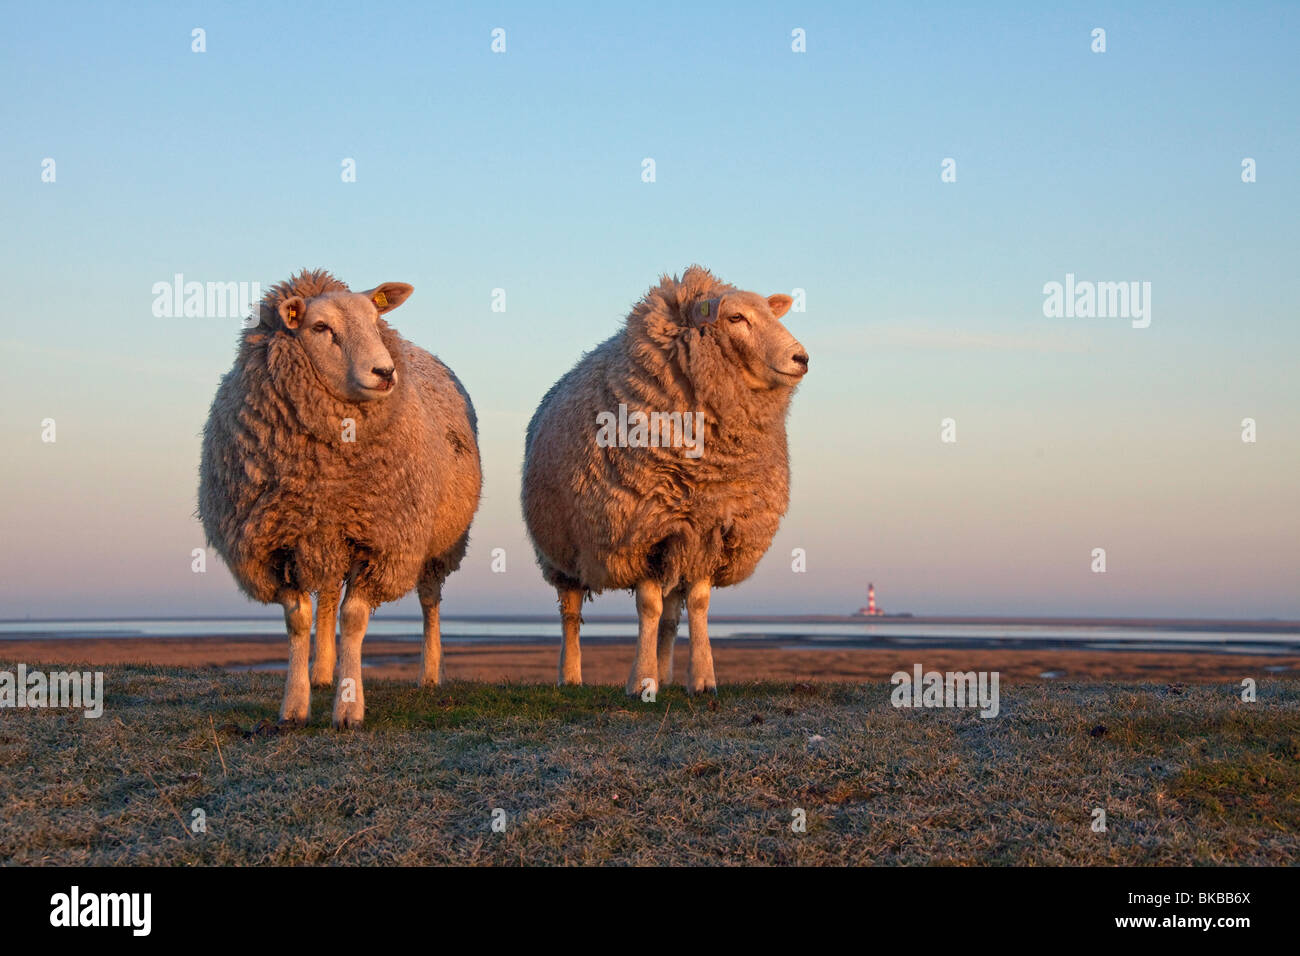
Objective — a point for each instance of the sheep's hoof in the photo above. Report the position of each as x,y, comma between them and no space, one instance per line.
348,716
702,687
637,686
293,723
295,714
323,682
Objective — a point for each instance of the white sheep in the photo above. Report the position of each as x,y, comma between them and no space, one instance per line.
337,454
659,464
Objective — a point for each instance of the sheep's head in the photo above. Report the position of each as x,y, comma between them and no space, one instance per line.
748,331
339,331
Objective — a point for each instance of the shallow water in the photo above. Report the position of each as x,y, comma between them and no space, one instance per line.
803,635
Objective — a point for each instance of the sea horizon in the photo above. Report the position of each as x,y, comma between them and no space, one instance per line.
1073,620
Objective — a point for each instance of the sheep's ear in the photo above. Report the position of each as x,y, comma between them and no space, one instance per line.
705,312
292,311
779,304
389,296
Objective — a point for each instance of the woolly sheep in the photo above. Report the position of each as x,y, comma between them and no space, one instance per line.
637,508
338,455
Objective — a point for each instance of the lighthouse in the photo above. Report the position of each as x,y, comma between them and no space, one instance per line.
871,610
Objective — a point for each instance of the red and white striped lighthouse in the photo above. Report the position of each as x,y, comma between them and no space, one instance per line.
871,599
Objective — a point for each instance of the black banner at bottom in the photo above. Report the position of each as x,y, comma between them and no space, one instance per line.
731,905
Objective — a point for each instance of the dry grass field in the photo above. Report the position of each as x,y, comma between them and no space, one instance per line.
1187,774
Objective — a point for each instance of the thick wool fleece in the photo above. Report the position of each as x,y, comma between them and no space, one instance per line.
287,502
608,517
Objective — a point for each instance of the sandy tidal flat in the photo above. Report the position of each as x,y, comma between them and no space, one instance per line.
607,662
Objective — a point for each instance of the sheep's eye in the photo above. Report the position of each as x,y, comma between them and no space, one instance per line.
737,318
320,327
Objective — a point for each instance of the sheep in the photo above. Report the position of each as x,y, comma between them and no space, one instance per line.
686,499
337,455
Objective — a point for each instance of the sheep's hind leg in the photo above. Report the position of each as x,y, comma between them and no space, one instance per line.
296,706
570,648
668,635
645,669
431,655
327,612
349,697
699,673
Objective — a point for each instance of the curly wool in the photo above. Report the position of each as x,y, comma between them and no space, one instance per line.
288,503
608,517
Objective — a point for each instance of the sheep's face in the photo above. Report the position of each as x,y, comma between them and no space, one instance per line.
748,330
339,331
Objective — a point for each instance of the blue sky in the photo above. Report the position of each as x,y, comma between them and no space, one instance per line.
779,170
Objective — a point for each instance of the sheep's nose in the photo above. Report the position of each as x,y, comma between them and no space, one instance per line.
386,373
801,358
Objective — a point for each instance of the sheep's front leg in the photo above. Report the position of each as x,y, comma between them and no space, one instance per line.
431,655
296,707
327,611
699,673
349,698
570,648
649,606
668,635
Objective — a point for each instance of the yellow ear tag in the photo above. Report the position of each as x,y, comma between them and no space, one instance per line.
381,300
704,309
293,312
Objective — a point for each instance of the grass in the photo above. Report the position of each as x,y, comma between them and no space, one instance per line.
1186,775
